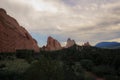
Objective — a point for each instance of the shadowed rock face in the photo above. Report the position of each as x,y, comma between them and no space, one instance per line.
52,44
70,43
13,36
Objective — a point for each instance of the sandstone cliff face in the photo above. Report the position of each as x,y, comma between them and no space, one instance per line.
52,45
70,43
13,36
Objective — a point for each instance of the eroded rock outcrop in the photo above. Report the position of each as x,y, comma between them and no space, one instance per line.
86,44
13,36
52,45
70,43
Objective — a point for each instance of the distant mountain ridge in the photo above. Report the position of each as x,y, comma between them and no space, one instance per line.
110,45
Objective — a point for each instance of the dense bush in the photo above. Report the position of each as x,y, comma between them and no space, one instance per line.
44,69
102,62
12,69
103,70
74,63
10,75
87,64
8,56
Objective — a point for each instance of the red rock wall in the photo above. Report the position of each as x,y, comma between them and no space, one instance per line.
70,43
52,45
13,36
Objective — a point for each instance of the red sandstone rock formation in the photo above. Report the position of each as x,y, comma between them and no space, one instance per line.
52,45
86,44
13,36
70,43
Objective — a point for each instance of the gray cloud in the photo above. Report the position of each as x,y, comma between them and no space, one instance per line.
82,20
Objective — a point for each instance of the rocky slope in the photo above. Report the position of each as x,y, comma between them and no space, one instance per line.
52,45
13,36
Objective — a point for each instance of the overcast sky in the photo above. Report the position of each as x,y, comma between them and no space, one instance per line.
82,20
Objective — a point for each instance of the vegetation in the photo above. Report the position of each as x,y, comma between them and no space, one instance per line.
74,63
